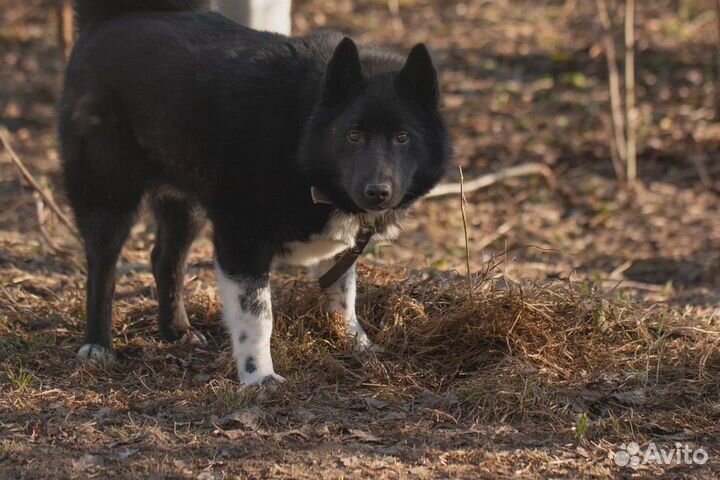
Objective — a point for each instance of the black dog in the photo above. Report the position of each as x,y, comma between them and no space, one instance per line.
296,149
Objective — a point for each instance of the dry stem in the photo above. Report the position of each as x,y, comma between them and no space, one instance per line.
65,28
620,148
717,80
630,110
397,23
463,201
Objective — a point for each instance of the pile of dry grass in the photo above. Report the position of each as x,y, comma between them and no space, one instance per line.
505,349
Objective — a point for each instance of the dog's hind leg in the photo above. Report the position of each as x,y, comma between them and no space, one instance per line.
104,233
104,183
179,222
341,297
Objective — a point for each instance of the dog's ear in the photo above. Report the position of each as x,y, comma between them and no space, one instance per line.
418,79
343,72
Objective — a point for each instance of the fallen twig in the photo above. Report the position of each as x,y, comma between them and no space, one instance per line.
647,287
488,239
492,178
5,140
40,210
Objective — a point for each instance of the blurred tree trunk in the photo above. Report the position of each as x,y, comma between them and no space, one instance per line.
717,53
270,15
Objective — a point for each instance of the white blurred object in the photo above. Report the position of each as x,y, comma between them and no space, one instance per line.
269,15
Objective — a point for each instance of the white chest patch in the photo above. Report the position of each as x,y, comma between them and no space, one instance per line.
338,236
311,252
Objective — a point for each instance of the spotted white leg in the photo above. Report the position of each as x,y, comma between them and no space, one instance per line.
247,314
341,297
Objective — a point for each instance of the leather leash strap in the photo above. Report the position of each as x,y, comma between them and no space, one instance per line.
348,258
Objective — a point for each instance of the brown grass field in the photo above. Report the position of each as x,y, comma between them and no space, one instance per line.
590,318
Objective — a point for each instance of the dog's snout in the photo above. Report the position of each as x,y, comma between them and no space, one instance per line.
378,192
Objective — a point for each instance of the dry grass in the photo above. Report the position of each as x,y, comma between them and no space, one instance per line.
528,380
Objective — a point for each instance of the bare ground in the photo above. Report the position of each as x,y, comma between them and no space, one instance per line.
591,319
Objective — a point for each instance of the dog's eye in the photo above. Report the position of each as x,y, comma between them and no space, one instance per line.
355,136
402,137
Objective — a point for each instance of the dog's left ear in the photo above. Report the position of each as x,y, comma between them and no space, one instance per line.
418,79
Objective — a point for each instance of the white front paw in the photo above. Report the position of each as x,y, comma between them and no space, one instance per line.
95,353
269,381
257,369
362,343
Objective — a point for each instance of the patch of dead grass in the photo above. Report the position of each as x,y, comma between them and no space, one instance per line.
463,381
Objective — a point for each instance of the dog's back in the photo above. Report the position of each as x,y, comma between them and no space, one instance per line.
89,12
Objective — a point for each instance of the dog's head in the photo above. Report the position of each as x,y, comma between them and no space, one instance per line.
376,140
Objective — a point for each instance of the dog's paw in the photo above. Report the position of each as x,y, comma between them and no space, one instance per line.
357,337
268,382
362,343
194,338
95,353
272,381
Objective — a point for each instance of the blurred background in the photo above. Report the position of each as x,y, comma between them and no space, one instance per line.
522,81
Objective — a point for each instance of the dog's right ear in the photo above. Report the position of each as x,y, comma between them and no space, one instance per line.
343,72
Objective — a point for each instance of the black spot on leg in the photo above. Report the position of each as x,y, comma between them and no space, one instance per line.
343,304
242,337
343,286
251,303
245,302
250,366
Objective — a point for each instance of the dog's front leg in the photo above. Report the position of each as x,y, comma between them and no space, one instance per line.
247,314
341,300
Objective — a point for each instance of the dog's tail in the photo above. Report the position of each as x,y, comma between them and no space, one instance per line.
89,12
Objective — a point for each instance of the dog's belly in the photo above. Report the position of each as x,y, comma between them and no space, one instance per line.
311,252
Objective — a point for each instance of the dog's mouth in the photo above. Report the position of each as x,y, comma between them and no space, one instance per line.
378,209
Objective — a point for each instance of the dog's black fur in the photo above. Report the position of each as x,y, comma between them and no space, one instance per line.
209,117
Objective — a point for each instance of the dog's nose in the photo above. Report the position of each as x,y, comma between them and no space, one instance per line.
378,192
